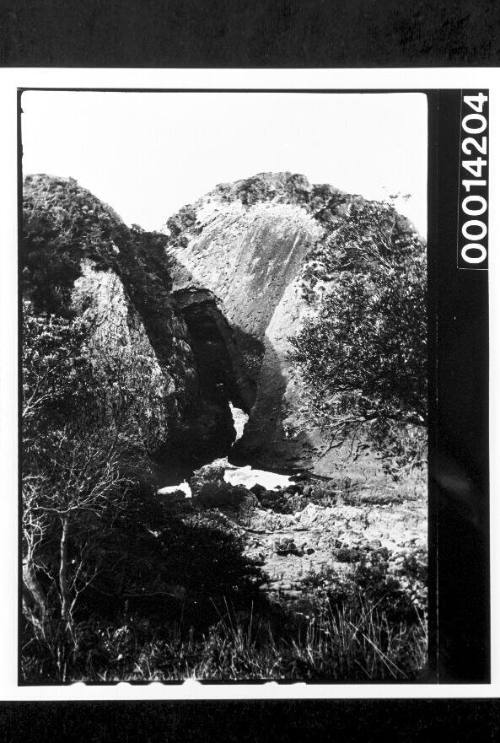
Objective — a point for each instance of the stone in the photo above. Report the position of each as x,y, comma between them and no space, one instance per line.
250,244
258,490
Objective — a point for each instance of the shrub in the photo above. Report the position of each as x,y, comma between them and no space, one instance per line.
281,501
286,547
362,354
223,495
348,554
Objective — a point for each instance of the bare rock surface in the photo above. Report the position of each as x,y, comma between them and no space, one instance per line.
250,243
323,541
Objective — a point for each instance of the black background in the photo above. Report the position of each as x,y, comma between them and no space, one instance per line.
249,33
316,33
393,721
458,431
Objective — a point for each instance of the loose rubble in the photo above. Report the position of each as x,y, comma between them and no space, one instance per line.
324,539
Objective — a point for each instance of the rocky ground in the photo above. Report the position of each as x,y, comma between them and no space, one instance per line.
320,542
310,535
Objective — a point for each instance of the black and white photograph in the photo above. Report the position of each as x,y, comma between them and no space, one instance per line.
249,419
224,370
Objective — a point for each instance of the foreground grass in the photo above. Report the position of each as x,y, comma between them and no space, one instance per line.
336,648
348,643
362,623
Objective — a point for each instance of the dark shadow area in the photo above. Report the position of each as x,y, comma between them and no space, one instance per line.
220,353
217,352
166,575
265,443
263,35
364,720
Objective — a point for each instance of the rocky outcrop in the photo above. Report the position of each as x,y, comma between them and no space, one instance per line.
200,318
206,429
173,350
219,362
250,243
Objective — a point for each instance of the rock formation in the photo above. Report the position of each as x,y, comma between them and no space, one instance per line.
176,349
250,243
205,310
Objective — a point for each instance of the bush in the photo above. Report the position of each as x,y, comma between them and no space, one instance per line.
287,546
281,501
348,554
223,495
362,354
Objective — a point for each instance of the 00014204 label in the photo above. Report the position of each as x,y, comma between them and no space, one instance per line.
472,247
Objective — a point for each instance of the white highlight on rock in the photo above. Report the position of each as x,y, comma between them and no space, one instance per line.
248,477
240,419
169,489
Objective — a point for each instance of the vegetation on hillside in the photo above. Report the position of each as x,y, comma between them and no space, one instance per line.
64,224
362,353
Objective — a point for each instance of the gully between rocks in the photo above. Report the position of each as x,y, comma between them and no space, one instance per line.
245,475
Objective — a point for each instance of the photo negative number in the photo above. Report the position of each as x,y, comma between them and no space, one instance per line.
473,185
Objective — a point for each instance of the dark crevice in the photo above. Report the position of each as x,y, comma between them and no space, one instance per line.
218,357
207,428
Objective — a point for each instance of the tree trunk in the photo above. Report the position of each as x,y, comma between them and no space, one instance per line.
65,598
63,572
34,599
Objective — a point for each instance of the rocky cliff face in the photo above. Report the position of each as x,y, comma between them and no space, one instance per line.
252,243
200,317
79,257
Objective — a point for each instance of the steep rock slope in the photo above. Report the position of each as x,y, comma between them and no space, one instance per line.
78,257
254,244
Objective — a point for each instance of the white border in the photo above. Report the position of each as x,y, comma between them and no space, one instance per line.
404,79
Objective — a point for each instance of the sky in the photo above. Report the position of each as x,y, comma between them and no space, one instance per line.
148,154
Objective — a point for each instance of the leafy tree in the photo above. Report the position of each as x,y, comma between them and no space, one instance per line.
362,352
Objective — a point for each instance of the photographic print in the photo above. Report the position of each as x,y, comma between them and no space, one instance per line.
224,371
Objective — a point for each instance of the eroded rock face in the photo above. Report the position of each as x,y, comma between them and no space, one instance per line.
206,430
248,242
204,312
175,350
